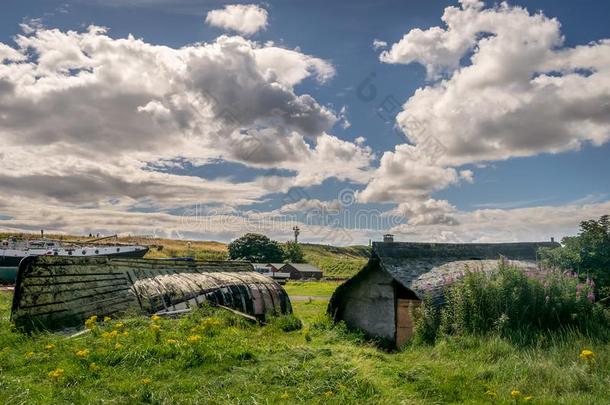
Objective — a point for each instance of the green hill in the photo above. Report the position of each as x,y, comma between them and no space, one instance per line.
337,261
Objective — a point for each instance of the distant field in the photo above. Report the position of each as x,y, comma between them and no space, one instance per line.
233,362
341,262
311,288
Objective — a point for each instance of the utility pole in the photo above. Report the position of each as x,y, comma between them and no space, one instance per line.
297,232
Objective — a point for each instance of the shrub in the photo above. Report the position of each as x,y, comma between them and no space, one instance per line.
287,323
587,254
293,252
512,305
255,248
426,318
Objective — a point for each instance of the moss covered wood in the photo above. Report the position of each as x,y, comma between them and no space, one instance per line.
58,292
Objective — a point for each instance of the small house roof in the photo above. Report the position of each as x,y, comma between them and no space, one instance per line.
305,267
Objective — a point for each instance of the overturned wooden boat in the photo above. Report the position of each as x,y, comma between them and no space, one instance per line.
58,292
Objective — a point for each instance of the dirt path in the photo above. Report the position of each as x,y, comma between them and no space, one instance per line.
309,297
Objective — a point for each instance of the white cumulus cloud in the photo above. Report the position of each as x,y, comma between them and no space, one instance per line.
246,19
112,121
502,86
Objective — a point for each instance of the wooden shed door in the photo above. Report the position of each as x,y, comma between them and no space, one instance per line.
404,320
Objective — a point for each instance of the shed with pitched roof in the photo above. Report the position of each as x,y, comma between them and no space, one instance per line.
299,271
379,300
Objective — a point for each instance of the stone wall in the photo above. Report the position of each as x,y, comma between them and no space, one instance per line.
369,305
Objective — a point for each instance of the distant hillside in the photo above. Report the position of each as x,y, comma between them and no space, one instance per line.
337,261
334,261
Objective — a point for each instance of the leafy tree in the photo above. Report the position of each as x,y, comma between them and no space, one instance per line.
253,247
293,252
588,253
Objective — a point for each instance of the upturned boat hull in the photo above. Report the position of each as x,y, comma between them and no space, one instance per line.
58,292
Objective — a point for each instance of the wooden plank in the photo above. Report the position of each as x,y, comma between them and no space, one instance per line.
61,297
73,287
78,303
404,320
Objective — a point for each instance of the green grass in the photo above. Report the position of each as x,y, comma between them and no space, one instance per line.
239,363
312,288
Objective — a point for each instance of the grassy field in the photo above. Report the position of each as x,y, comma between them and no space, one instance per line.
211,357
312,288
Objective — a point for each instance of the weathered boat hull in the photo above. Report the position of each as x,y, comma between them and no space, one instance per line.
58,292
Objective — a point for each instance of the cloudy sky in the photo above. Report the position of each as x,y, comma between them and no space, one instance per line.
433,120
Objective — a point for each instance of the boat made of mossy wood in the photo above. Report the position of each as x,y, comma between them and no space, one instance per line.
59,292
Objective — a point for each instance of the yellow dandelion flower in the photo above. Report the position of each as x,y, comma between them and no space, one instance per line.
82,353
125,334
586,354
94,367
146,380
107,319
118,346
110,335
210,322
90,323
284,395
56,374
29,354
491,393
329,394
50,346
118,325
528,398
515,394
171,341
155,318
155,328
193,338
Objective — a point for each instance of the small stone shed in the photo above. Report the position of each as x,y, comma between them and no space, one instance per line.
380,298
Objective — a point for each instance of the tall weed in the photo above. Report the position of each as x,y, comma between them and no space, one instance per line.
514,305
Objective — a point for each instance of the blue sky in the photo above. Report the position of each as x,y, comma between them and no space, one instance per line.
547,175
